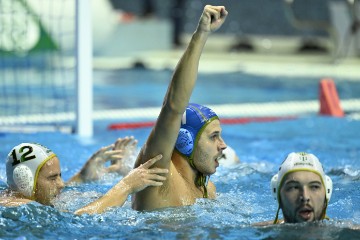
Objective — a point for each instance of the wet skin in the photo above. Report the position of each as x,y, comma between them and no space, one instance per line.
302,197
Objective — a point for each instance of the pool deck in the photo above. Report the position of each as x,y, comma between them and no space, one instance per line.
272,56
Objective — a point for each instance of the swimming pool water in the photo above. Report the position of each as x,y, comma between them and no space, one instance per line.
33,92
127,88
243,190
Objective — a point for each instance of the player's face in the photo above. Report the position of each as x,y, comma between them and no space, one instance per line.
302,197
49,182
209,148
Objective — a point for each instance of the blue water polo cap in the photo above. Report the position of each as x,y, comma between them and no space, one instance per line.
195,118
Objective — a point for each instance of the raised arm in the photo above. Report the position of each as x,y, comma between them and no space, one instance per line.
163,136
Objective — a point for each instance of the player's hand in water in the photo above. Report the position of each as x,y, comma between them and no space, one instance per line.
212,18
116,153
145,176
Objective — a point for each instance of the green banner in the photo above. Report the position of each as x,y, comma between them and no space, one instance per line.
22,31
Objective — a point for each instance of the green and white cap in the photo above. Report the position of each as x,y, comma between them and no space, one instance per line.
23,165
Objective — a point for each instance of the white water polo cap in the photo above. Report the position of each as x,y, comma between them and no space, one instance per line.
23,165
300,161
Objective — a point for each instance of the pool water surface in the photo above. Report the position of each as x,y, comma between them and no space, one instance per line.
243,191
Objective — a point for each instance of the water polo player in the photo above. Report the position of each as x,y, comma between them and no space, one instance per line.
301,189
187,135
33,174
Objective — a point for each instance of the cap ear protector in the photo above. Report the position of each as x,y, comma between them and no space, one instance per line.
23,165
329,187
185,142
23,179
300,162
193,121
274,185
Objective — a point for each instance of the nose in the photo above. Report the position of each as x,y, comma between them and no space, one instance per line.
304,195
222,144
60,183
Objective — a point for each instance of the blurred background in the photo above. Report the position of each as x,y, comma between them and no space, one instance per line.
41,41
312,24
77,75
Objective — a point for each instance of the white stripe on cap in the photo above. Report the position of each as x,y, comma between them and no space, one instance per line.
183,119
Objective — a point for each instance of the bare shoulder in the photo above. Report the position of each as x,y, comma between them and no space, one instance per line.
167,195
262,224
12,201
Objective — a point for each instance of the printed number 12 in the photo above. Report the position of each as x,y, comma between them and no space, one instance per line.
26,150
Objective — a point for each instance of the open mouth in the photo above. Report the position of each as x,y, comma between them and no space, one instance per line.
305,214
218,158
217,162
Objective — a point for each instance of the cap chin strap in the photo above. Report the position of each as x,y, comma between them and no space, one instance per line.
200,179
324,216
277,215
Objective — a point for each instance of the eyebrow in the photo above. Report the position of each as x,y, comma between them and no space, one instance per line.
316,181
295,181
291,181
215,132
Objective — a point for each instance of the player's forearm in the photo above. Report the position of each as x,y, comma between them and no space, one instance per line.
115,197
